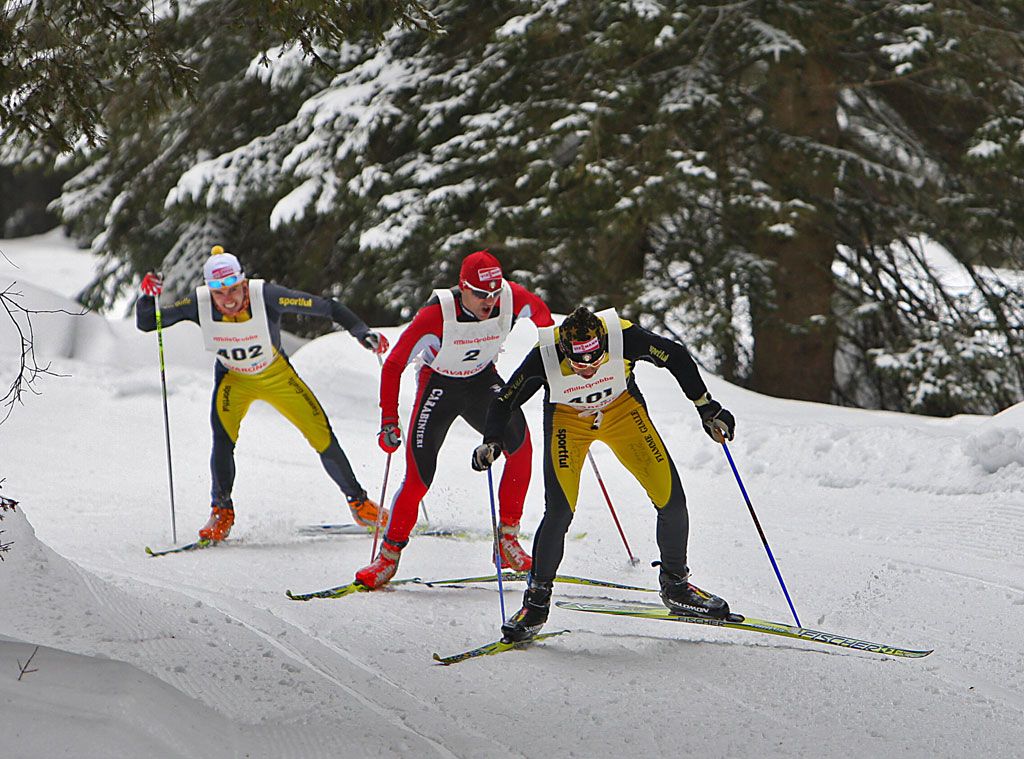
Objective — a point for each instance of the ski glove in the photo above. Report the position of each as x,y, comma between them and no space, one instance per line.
152,284
718,422
375,342
484,455
389,437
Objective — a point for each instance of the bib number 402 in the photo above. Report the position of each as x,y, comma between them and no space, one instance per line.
240,353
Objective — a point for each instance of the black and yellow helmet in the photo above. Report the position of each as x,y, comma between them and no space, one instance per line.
583,337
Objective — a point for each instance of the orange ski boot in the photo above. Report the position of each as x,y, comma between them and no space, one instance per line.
365,511
219,525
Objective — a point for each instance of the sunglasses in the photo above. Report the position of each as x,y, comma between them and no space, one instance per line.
584,365
220,284
482,294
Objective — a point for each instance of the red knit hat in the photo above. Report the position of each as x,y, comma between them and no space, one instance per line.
481,271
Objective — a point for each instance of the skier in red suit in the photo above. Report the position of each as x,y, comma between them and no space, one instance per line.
457,336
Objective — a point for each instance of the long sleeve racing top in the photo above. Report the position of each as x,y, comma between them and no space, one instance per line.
422,339
638,344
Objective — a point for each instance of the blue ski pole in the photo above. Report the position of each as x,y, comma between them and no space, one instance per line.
497,551
764,540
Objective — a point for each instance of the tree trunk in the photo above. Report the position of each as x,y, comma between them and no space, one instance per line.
794,334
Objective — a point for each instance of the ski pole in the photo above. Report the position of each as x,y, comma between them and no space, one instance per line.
764,540
632,559
423,505
167,423
380,508
497,550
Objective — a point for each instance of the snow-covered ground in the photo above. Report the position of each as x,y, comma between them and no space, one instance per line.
900,529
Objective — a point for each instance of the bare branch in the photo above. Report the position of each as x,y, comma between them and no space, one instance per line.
29,368
24,669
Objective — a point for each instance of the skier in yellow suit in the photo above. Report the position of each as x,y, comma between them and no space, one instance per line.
241,323
585,365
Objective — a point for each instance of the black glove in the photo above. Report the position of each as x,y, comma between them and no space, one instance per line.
484,455
718,422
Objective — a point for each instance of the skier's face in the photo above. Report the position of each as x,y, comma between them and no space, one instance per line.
479,302
587,370
231,300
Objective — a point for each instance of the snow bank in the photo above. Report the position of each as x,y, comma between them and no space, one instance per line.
999,441
104,707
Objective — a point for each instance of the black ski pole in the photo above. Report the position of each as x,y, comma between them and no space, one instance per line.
167,423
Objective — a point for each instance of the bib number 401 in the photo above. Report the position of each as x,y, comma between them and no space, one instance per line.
240,353
592,397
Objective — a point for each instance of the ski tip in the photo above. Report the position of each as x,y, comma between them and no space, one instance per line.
440,659
150,551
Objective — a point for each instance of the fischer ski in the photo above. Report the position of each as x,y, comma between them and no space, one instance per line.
522,576
497,647
340,591
739,622
201,543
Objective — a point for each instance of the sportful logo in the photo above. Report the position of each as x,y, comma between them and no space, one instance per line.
587,346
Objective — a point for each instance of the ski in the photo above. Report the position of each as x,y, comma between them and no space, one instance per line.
497,647
340,591
522,576
334,529
202,543
739,622
357,529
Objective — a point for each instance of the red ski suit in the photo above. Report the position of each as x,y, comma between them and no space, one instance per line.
440,399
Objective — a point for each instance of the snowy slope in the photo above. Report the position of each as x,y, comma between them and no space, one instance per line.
900,529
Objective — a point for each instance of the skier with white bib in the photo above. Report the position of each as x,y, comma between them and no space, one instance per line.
456,337
241,323
585,366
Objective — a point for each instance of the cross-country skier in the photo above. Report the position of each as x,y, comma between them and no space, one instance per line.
241,323
591,394
457,335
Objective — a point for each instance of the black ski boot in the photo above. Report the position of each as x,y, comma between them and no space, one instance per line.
526,622
688,600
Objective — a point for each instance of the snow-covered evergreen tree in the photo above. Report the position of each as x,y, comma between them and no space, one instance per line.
751,176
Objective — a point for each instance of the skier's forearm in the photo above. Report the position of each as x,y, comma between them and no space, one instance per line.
517,391
345,317
145,313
